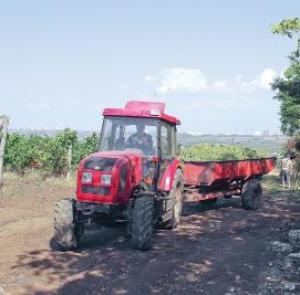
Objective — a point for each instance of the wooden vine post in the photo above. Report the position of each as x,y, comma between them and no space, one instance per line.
69,161
4,122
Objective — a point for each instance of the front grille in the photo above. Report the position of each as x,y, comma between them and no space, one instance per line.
96,190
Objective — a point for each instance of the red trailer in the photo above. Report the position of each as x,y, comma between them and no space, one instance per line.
209,180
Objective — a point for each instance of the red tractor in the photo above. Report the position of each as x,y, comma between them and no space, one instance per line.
135,178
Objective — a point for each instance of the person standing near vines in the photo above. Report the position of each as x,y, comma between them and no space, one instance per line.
286,170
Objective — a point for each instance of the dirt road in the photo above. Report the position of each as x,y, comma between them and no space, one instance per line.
218,250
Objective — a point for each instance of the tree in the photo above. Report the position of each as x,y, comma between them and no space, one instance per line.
288,86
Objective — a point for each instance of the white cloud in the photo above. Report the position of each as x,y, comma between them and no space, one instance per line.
265,78
149,79
183,80
193,80
240,82
220,85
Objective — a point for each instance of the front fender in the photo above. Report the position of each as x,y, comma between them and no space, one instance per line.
167,179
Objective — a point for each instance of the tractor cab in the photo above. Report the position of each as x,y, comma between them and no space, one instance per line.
141,126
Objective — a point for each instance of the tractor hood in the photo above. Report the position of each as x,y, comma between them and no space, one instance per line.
109,176
117,154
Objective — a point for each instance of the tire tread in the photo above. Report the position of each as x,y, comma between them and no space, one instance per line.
64,227
142,223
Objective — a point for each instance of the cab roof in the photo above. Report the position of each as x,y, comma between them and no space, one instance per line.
143,109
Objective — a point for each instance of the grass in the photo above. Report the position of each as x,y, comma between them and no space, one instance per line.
15,185
272,182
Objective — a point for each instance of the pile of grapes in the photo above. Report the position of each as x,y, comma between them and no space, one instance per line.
219,152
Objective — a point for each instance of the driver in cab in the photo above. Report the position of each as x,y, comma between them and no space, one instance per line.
140,140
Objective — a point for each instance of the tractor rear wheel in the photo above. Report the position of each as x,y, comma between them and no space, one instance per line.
142,223
251,195
176,196
66,233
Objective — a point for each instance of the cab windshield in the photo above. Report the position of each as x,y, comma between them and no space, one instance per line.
125,133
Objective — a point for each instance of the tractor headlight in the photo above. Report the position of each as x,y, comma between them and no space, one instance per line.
106,179
87,177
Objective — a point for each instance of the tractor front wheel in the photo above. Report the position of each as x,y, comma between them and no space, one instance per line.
142,223
66,232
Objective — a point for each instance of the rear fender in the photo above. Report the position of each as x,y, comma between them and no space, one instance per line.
167,179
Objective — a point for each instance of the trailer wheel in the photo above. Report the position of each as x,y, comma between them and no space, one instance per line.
251,195
142,223
176,195
66,232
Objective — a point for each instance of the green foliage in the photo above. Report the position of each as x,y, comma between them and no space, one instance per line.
47,153
287,27
84,147
211,152
17,152
56,151
294,149
288,86
50,153
272,182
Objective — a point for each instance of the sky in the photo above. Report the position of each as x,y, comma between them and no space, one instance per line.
211,62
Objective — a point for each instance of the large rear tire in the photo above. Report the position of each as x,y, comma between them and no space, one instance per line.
251,195
176,197
142,223
66,235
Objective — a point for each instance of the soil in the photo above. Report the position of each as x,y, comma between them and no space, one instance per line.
221,249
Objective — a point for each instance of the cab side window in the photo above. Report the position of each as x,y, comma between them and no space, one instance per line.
167,137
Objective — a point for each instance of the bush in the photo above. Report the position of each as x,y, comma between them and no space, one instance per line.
50,153
18,152
211,152
46,153
293,148
84,147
